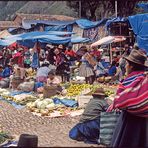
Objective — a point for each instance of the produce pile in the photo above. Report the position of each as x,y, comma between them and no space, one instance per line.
21,99
41,105
46,107
3,136
80,89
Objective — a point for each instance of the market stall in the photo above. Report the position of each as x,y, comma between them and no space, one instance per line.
71,101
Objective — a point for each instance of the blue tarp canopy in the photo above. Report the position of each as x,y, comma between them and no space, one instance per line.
73,40
139,25
53,37
31,35
86,24
79,39
144,6
118,19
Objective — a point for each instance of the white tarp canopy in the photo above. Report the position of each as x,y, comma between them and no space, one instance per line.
108,40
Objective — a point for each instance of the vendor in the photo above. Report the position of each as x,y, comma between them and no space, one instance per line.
52,79
86,69
99,69
112,70
70,54
88,128
1,70
131,99
6,72
42,72
27,60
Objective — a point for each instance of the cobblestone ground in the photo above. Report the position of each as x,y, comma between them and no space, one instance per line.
50,132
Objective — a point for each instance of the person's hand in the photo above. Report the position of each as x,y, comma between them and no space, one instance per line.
117,110
110,108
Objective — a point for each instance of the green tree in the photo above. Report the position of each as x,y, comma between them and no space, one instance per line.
88,8
103,8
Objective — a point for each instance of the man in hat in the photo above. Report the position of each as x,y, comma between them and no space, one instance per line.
88,128
131,99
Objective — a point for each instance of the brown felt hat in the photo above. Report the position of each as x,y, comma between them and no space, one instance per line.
99,92
137,57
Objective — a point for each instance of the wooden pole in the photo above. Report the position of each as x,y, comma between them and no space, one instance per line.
116,9
79,9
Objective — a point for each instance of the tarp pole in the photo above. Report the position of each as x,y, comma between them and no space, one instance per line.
116,9
79,9
110,48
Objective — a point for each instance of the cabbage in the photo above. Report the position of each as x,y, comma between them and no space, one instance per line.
43,106
39,103
36,102
45,102
50,106
49,101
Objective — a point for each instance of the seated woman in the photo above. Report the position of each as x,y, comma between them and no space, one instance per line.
52,79
131,98
6,71
99,69
88,128
42,73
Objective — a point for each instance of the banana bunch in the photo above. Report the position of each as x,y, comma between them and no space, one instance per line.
76,89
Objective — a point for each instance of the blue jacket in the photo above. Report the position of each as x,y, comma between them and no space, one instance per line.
6,72
112,71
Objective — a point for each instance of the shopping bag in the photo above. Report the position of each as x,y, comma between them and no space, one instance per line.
108,122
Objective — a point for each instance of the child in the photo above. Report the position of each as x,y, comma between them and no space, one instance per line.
52,79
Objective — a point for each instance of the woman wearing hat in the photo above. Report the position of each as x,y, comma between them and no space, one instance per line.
131,98
88,128
86,69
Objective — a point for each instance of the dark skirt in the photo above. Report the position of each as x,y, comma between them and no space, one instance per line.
86,131
130,131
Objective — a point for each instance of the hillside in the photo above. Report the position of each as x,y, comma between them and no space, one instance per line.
9,8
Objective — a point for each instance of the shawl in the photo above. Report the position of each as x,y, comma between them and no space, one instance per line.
132,94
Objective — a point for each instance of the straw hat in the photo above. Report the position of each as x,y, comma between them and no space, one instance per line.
138,57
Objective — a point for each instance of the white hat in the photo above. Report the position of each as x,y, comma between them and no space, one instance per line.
100,49
46,62
20,49
50,46
31,50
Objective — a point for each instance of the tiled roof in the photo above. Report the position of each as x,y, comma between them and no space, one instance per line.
8,24
45,17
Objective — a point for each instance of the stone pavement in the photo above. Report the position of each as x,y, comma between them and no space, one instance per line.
50,132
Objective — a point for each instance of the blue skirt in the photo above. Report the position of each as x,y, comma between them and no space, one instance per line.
87,131
35,61
130,131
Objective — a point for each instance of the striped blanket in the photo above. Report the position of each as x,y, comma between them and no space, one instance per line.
132,94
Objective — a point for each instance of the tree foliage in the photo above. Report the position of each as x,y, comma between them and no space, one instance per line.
103,8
